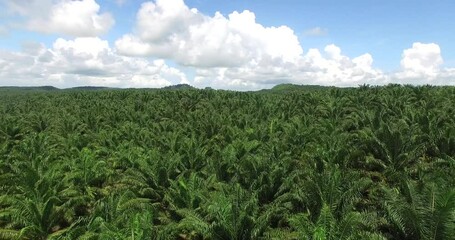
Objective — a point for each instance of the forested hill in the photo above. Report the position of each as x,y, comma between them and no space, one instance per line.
295,87
48,88
277,88
330,163
23,89
84,88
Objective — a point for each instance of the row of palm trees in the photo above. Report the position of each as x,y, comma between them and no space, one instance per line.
361,163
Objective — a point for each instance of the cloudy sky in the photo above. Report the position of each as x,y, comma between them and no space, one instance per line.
238,44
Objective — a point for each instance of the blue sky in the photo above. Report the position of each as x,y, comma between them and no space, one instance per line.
251,44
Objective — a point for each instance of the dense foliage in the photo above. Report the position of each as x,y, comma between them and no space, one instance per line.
363,163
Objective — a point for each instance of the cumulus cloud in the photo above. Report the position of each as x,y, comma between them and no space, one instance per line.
91,61
72,18
83,61
334,68
231,51
422,64
170,29
422,60
327,68
237,52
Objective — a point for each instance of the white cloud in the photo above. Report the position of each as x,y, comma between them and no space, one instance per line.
333,68
83,61
230,52
316,32
329,68
27,7
169,29
422,64
72,18
236,52
91,61
422,60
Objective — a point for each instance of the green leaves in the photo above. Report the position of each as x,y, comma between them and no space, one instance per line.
366,163
423,212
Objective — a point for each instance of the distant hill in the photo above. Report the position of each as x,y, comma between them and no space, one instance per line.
84,88
286,87
178,87
280,88
89,88
40,88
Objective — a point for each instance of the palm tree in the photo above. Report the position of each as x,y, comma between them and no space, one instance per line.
34,205
421,212
119,216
